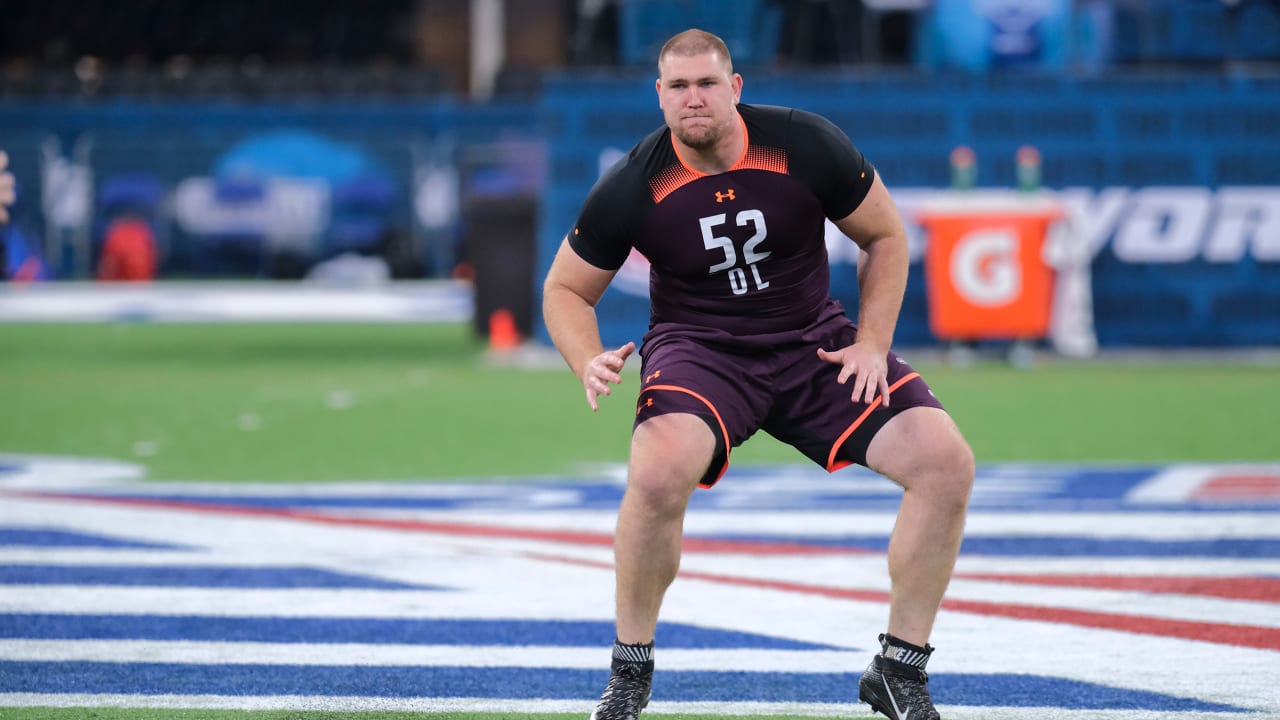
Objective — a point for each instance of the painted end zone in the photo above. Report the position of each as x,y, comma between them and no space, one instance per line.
1115,592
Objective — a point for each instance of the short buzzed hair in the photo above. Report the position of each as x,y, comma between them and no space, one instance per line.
695,42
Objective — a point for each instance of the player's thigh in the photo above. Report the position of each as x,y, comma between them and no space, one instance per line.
923,450
815,414
725,391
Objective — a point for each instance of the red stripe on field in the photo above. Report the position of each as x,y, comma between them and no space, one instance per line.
1240,487
1253,636
1233,588
1220,633
733,547
834,592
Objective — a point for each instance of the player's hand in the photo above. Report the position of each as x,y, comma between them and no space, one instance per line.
6,188
867,365
604,369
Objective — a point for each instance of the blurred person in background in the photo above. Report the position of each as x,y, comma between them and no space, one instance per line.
6,199
6,188
20,257
729,202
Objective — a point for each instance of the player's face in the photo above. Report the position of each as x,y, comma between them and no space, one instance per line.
698,94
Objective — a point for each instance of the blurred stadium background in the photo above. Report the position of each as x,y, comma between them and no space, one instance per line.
428,140
419,160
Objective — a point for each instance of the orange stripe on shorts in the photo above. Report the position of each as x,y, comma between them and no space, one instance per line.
724,432
832,466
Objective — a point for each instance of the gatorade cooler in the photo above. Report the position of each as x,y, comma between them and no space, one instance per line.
985,270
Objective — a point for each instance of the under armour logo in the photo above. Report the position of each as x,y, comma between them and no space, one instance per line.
721,197
646,404
656,374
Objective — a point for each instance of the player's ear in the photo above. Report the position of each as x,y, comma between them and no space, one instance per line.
737,88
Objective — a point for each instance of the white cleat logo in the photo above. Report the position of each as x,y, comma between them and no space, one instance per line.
901,715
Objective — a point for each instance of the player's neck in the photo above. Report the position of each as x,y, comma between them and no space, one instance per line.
720,158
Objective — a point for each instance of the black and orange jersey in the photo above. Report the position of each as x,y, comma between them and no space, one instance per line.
738,255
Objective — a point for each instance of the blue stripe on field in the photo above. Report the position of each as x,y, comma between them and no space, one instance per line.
206,576
997,487
346,502
47,537
1055,546
558,684
371,630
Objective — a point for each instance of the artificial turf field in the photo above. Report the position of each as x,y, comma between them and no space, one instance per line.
280,403
307,403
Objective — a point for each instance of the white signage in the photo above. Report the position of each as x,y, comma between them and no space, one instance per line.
985,266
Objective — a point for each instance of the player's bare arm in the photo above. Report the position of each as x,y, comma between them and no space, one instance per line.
570,293
877,228
6,188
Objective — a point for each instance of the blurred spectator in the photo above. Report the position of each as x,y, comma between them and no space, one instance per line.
595,33
6,188
889,29
819,32
20,257
6,199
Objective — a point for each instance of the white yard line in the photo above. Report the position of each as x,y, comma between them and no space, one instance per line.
518,707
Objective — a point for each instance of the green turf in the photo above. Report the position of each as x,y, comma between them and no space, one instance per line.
293,402
1116,411
343,402
156,714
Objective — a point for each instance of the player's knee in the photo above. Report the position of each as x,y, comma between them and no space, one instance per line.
943,473
659,487
666,465
953,468
963,468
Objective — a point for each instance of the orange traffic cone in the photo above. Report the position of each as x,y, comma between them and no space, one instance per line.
503,334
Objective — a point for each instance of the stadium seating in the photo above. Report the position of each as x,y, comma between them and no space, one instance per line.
1183,32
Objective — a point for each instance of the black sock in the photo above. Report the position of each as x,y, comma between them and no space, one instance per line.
904,652
638,653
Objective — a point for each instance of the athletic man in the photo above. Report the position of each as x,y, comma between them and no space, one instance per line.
728,203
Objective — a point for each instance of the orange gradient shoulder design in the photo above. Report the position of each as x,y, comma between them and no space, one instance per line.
755,157
764,158
669,180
